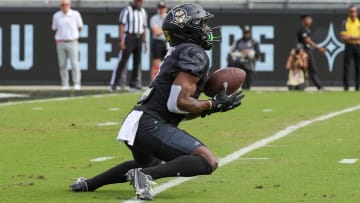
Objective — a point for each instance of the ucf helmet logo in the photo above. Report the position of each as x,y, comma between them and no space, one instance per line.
180,17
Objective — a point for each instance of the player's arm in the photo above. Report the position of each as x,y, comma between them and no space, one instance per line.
54,24
181,96
309,41
303,59
257,50
156,30
345,36
79,22
121,36
290,60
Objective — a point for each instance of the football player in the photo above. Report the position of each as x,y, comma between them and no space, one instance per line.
150,130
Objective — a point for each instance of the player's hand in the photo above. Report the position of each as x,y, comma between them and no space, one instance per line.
122,45
322,50
222,102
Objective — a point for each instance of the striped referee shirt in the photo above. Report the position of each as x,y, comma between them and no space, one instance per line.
135,20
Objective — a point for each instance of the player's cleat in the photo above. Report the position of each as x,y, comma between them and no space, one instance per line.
80,185
141,183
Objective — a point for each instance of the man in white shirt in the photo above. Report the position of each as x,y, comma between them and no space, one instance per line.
67,24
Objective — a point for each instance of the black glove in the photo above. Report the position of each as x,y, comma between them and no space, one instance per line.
222,102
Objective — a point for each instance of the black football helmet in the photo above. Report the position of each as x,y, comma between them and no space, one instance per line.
188,23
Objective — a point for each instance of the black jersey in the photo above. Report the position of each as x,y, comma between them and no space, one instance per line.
187,57
303,33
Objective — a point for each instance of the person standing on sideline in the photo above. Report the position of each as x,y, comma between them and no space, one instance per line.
304,38
132,34
297,64
350,34
67,24
158,45
243,54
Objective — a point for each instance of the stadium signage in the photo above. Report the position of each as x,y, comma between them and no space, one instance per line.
22,46
28,52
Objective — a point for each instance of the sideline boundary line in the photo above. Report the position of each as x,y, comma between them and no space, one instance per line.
54,99
258,144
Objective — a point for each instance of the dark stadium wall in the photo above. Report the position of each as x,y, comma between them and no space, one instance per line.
28,54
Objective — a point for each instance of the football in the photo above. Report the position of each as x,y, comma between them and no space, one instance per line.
233,76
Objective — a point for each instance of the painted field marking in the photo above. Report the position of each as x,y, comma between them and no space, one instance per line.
267,110
104,158
107,124
40,101
58,99
348,161
114,109
103,95
12,95
252,159
37,108
258,144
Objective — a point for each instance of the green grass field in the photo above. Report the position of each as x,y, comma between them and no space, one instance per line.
46,146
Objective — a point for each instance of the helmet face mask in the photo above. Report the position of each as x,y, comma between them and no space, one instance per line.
188,23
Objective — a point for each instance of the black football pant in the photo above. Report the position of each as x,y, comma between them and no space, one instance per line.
157,140
352,51
312,70
133,45
248,79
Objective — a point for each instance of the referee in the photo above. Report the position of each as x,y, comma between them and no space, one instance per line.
132,34
304,38
350,34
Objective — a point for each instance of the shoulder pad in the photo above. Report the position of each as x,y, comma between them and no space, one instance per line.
192,59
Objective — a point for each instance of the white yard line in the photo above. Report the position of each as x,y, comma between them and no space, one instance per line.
40,101
55,99
100,159
59,99
261,143
348,161
38,108
109,123
114,109
252,159
12,95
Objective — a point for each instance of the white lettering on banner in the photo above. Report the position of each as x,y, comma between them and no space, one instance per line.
103,48
229,31
28,42
333,47
267,49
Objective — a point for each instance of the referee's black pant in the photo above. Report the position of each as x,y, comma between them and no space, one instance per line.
352,51
312,69
133,45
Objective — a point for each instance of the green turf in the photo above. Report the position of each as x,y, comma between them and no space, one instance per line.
43,151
